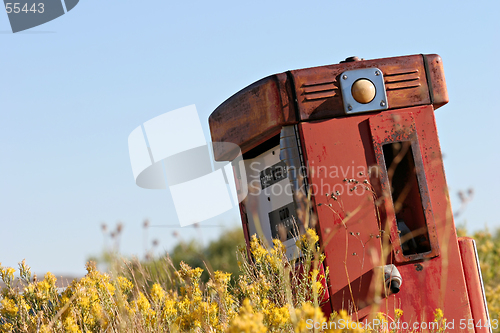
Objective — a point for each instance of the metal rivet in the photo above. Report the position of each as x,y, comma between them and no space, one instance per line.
349,107
344,77
377,73
382,103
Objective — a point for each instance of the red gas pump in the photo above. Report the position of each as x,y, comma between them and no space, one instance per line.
360,137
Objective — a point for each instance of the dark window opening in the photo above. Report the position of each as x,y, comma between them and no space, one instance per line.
410,216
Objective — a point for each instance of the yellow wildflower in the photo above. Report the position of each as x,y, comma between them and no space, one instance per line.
307,242
258,251
8,307
278,317
306,312
142,303
438,314
124,284
157,293
70,325
247,321
7,274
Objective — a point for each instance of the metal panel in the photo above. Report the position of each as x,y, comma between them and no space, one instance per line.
400,127
351,231
256,113
270,206
319,97
475,286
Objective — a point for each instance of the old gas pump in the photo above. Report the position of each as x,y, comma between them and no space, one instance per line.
359,137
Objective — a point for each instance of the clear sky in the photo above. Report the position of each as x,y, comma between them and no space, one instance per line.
73,89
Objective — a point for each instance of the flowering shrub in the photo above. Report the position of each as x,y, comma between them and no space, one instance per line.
271,295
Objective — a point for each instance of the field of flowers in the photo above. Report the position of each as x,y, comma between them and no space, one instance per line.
268,296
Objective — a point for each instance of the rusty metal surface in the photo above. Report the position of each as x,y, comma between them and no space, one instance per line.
318,92
435,75
252,116
399,126
345,162
474,284
256,113
352,232
337,150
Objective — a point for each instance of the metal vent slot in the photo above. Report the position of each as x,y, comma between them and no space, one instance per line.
315,89
320,95
321,90
402,80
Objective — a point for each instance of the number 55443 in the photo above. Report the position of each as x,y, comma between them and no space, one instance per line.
470,324
16,8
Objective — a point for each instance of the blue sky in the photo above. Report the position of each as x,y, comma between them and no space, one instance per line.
73,89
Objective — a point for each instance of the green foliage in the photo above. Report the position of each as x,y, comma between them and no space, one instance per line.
219,255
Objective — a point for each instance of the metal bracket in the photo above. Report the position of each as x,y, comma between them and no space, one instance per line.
375,76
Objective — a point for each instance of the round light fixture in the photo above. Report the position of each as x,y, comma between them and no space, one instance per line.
363,91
